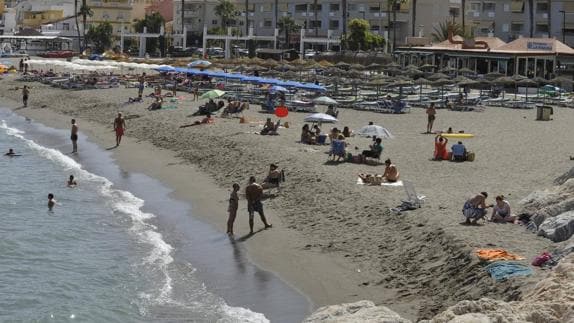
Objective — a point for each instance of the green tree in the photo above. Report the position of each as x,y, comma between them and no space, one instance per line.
225,9
440,32
153,22
100,36
287,25
360,37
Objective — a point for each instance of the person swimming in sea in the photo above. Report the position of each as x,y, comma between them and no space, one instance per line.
51,201
72,182
11,153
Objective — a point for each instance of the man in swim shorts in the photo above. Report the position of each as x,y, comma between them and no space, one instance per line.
141,84
74,136
431,116
253,193
119,127
51,201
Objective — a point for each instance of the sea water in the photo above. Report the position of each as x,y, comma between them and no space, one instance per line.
101,256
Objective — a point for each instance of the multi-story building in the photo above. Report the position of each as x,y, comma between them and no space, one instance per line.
506,19
511,19
117,12
163,7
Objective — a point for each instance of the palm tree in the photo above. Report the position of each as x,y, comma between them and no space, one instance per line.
78,25
225,9
531,17
85,11
287,25
441,31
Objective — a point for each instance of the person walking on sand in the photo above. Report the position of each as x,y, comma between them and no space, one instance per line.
431,116
232,208
119,127
21,66
141,84
74,136
25,94
253,193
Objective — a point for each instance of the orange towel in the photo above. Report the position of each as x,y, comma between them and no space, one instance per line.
496,254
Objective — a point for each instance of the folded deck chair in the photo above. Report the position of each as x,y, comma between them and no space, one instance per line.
412,198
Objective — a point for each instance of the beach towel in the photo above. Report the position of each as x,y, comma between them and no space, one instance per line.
502,270
397,183
496,254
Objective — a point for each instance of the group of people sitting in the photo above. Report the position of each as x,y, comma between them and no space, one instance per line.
312,136
210,107
475,209
458,153
270,128
234,107
391,175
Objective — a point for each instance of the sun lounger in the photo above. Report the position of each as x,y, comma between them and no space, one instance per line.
413,198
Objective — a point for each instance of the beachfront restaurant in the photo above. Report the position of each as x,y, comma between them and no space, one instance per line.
531,57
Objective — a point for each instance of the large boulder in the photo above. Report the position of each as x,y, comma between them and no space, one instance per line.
359,312
559,228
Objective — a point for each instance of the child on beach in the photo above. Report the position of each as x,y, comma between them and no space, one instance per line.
232,208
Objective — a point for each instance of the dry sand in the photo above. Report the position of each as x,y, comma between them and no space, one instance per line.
333,239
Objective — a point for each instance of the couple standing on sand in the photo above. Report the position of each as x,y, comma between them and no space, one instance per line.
119,127
253,193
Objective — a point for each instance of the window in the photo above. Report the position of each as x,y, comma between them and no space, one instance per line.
516,27
375,8
283,7
352,7
66,26
542,28
542,7
105,16
315,23
333,24
266,7
475,6
489,7
319,7
300,7
454,12
517,6
214,22
334,7
267,23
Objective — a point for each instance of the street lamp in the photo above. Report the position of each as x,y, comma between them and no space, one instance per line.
563,25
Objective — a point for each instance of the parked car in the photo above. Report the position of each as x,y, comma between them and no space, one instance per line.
182,52
551,90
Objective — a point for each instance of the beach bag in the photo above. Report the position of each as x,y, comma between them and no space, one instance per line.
470,156
542,259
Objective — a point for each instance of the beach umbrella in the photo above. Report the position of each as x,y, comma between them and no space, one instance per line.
441,83
320,117
504,81
212,94
374,130
325,63
437,76
392,65
465,70
343,65
414,72
357,67
373,66
325,100
493,75
427,67
422,81
527,83
199,64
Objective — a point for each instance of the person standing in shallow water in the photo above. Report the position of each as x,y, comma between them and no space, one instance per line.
51,201
254,193
74,136
25,95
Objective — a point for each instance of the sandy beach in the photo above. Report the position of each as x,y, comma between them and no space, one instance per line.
332,239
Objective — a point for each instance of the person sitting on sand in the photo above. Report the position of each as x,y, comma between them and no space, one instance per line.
458,152
273,177
156,105
501,211
375,151
391,173
135,100
316,130
474,208
449,130
267,127
440,151
72,182
307,136
338,147
207,120
347,132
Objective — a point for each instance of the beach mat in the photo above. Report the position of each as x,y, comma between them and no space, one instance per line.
496,254
502,270
397,183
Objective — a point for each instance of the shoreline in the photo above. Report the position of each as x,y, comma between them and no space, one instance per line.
333,240
320,278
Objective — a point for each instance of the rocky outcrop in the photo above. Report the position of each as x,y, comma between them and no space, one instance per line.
559,228
550,301
361,311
